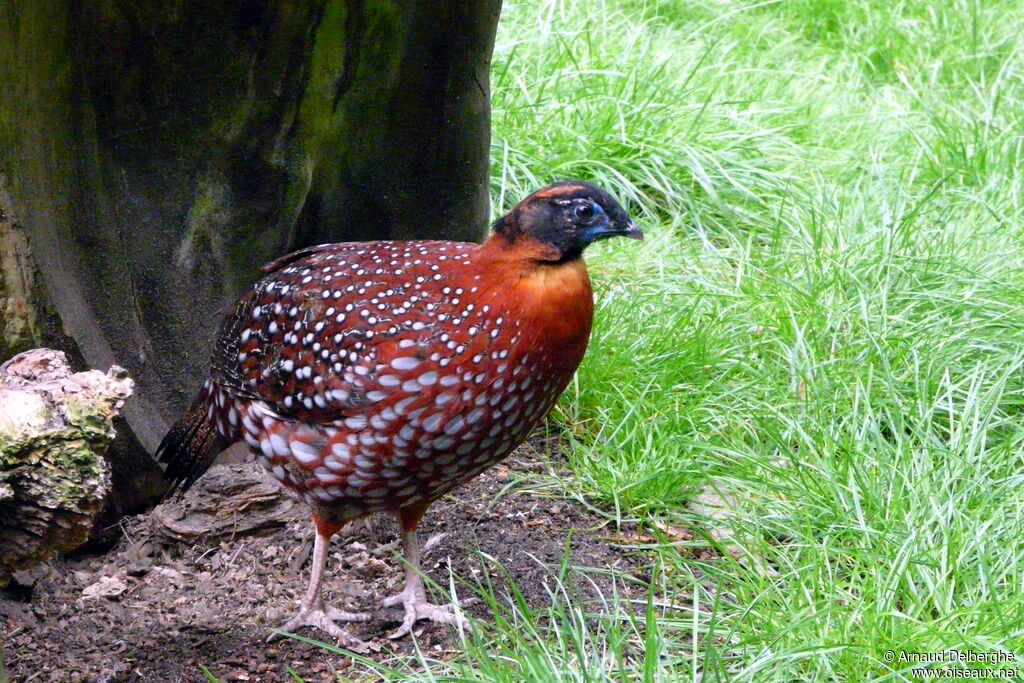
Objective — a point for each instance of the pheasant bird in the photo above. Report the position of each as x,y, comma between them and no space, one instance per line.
377,376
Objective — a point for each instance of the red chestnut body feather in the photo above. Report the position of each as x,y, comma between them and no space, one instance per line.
377,375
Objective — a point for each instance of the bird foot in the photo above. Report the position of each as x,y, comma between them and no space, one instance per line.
325,619
417,607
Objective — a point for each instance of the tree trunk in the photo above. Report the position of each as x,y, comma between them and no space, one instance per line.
157,154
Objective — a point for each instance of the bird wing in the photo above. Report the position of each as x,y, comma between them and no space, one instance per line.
333,329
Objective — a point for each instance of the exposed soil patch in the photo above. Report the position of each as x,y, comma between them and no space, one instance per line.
203,581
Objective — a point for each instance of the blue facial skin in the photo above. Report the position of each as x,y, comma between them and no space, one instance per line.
602,226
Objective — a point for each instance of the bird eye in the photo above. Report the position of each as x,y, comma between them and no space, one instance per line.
583,212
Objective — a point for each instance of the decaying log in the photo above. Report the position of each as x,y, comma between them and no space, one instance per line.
55,426
228,501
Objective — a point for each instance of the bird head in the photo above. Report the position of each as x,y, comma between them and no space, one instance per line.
561,220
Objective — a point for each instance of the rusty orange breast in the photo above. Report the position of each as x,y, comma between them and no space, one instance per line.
554,302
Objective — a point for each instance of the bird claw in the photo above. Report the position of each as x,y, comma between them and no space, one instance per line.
325,619
396,599
416,608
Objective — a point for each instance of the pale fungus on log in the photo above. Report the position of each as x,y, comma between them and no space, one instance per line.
55,426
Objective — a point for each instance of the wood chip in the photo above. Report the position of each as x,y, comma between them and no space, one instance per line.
106,587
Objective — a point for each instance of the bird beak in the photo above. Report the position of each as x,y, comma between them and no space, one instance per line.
633,231
608,229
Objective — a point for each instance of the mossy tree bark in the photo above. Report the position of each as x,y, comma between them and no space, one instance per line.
158,153
55,427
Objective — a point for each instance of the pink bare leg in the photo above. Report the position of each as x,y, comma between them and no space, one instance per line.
312,611
414,596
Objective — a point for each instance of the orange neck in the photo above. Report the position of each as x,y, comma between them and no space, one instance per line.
553,300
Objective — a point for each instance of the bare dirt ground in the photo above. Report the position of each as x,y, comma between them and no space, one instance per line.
202,581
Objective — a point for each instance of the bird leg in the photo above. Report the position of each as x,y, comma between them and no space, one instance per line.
414,596
312,611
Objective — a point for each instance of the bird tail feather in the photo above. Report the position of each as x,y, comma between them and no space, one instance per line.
191,446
